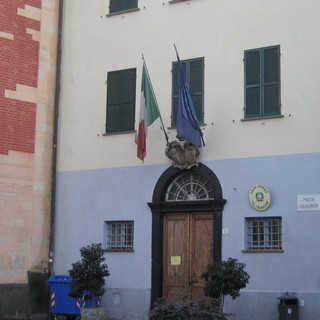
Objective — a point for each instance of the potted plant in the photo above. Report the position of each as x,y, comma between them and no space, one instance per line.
88,279
225,278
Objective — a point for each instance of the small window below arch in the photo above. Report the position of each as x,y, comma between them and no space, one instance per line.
189,186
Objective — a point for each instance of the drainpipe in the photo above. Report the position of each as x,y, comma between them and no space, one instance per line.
55,141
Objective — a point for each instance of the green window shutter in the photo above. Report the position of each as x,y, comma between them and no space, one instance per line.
128,95
121,96
122,5
262,82
196,84
130,4
271,81
253,82
175,91
115,6
194,72
113,100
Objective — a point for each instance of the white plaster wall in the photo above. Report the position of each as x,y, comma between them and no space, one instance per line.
220,31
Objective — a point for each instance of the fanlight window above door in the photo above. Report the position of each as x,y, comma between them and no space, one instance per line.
189,186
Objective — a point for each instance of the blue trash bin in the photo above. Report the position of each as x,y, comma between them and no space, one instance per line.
60,302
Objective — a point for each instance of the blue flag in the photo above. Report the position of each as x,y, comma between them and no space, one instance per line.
187,122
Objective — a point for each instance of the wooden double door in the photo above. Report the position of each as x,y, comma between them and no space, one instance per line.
187,250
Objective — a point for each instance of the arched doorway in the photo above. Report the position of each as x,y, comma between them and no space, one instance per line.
186,230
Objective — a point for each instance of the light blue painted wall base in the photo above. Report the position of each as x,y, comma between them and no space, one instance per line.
85,199
253,305
127,304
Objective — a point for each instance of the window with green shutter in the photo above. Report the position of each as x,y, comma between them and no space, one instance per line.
121,97
122,5
194,72
262,82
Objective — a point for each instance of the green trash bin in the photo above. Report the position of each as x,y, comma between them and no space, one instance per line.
288,308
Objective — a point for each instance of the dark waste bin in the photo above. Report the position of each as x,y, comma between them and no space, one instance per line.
288,308
60,302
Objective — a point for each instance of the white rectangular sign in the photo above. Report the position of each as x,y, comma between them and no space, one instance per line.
308,202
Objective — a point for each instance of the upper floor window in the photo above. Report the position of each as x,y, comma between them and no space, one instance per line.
122,5
194,72
262,82
121,97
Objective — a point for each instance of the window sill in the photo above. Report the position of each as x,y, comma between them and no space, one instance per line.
115,133
262,118
121,12
263,251
118,250
175,1
200,124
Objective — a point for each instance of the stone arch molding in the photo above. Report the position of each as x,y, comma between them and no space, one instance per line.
202,174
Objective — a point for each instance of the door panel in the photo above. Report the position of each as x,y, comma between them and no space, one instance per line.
201,238
176,259
187,249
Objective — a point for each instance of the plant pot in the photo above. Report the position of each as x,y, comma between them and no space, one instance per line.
230,316
93,314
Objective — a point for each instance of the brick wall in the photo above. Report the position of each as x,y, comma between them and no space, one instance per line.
19,63
28,42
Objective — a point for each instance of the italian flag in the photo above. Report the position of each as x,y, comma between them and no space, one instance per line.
149,112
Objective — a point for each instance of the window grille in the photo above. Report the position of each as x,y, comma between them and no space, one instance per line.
189,186
119,235
264,233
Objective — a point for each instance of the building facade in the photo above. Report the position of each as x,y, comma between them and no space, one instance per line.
28,42
253,75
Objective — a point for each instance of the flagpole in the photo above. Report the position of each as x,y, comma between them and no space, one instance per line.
175,48
165,133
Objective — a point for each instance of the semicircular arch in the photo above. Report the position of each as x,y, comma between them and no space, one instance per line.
200,176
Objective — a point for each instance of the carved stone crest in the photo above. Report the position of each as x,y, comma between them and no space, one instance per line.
183,154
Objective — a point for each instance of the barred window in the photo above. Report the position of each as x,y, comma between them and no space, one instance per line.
264,233
118,235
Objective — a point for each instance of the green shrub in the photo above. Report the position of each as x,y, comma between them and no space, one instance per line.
225,278
186,310
89,273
